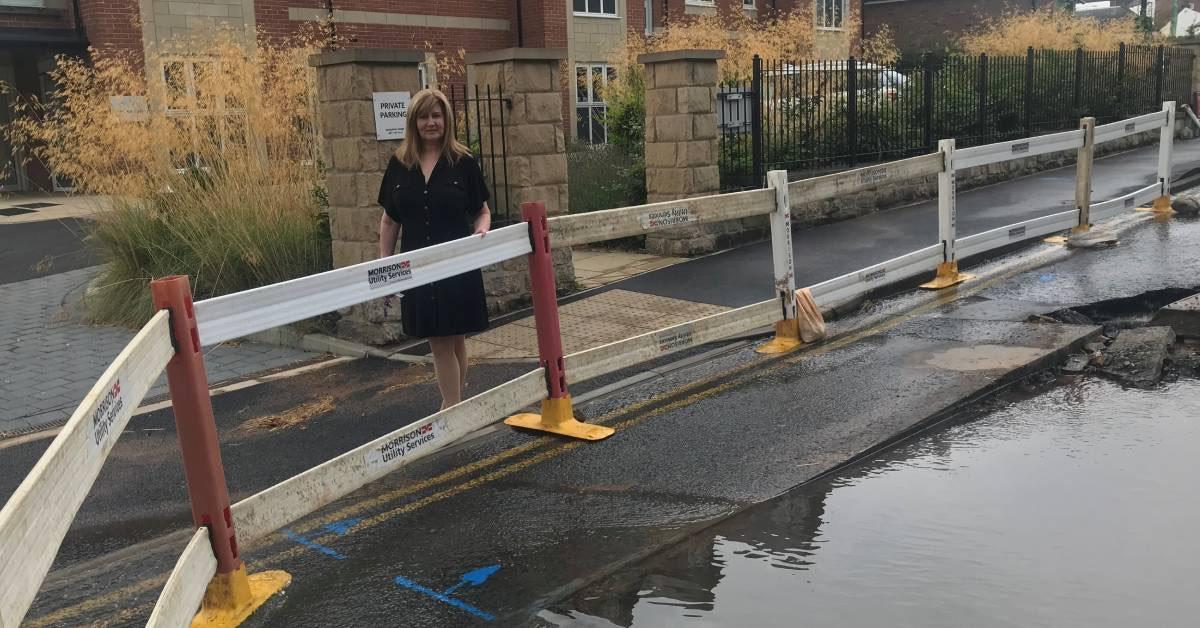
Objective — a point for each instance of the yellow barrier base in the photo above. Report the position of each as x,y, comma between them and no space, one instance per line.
233,597
1161,207
557,417
947,276
787,338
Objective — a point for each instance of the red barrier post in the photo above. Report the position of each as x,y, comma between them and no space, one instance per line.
232,595
557,414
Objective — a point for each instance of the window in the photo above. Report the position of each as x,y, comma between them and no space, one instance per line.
748,5
831,14
208,121
703,3
590,81
596,7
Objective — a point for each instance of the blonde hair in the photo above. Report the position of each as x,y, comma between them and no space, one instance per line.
409,152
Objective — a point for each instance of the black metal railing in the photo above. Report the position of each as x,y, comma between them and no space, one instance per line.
810,117
481,116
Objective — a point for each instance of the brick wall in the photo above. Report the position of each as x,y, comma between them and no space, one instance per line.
113,25
59,14
930,25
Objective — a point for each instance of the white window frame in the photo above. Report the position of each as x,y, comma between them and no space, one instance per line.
701,3
826,23
750,5
192,111
27,4
616,12
592,102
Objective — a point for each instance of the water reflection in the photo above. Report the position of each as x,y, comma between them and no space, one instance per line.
1076,507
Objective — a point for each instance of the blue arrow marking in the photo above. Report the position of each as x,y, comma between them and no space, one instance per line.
342,528
475,577
442,597
329,551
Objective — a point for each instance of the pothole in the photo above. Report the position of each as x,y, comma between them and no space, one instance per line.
1139,346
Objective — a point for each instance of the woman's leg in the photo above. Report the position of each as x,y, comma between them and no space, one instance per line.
460,352
445,366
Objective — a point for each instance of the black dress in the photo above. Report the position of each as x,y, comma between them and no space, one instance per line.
441,210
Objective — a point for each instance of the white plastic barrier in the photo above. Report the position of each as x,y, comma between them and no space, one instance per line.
857,180
1008,234
610,224
184,590
855,284
1017,149
37,516
1127,202
605,359
244,313
1124,128
267,511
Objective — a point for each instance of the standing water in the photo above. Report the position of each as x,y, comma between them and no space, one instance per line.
1077,507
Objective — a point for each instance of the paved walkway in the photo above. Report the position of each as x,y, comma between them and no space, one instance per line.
48,361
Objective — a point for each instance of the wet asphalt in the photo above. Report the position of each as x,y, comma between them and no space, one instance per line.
36,249
693,446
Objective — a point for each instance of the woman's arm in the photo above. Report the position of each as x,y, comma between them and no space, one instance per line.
483,222
389,230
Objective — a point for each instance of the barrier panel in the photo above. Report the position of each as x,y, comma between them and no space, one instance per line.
185,588
209,572
267,511
37,516
611,224
244,313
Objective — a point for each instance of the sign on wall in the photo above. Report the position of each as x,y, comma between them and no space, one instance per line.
391,114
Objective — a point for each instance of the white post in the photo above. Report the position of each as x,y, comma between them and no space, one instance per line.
787,330
781,243
1165,144
947,272
947,203
1083,173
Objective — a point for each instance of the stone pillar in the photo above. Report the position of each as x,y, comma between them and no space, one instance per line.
354,164
531,158
681,140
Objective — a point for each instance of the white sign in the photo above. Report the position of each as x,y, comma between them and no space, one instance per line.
106,413
130,108
661,218
391,114
423,437
388,274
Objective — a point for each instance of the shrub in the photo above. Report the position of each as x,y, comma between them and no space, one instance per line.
604,177
1015,32
216,178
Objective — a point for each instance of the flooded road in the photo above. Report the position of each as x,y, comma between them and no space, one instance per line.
1074,507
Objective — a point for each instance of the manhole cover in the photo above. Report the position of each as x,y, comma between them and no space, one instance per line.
15,211
37,205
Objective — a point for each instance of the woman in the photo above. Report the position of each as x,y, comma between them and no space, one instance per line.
433,192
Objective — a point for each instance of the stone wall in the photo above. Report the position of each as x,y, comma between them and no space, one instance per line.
354,164
535,154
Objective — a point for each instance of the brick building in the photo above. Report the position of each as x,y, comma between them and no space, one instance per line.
33,31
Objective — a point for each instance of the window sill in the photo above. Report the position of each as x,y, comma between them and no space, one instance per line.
831,29
603,16
40,11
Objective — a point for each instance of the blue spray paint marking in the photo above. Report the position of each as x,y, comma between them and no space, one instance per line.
313,545
342,528
442,597
1047,278
475,577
